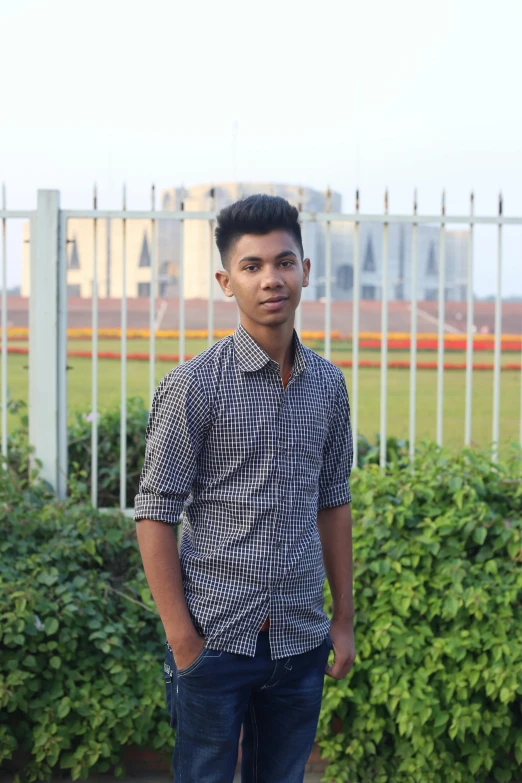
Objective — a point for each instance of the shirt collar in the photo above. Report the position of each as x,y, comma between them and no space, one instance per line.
251,357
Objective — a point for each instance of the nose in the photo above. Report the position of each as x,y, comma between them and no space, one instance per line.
271,278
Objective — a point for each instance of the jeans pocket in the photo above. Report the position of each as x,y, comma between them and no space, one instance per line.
329,647
194,665
169,677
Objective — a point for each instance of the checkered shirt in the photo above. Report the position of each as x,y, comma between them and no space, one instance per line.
248,465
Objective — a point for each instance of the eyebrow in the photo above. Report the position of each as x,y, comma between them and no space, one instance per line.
277,258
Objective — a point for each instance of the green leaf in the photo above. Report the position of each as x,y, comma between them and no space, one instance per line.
63,709
47,578
408,497
441,719
505,695
51,625
474,763
455,483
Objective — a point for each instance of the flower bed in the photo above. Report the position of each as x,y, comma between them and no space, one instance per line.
398,341
173,358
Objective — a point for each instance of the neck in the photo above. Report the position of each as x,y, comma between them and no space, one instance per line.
276,341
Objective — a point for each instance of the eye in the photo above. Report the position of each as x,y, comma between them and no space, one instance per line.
250,268
287,262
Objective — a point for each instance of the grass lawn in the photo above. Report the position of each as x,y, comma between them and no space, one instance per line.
79,386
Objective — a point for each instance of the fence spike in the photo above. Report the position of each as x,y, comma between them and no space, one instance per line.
4,202
500,204
153,197
386,201
443,202
124,196
95,196
357,200
415,201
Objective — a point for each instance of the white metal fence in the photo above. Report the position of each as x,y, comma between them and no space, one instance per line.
48,320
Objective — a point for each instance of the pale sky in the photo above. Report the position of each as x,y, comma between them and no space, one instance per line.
372,94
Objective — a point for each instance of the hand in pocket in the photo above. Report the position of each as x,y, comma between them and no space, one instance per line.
186,651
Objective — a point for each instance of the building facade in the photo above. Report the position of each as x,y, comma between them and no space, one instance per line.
109,258
399,265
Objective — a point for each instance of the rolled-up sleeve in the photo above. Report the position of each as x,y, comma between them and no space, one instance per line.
334,484
176,431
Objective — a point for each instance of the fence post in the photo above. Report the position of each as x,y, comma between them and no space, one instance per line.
48,341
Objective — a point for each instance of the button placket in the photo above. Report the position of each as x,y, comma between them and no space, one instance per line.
275,546
285,434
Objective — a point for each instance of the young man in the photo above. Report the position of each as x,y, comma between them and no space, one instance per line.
251,443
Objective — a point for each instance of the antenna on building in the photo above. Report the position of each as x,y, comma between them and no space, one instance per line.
300,204
95,196
415,201
386,201
443,203
153,197
357,201
500,204
328,199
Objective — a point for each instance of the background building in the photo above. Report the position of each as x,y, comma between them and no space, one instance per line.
109,260
399,262
201,258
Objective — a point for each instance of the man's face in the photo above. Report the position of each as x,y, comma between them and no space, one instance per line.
265,273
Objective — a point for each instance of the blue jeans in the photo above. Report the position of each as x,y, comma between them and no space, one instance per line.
276,702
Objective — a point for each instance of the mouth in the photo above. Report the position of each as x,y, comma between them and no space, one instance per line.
275,302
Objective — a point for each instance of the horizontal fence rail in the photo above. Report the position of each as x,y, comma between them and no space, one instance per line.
304,217
384,341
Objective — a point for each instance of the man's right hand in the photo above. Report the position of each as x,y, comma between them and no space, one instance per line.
186,650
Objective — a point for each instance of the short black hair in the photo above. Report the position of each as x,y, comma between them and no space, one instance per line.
259,214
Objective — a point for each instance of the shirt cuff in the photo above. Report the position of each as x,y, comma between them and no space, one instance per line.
159,508
338,495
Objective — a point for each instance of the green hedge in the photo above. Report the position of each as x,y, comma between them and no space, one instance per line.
80,453
434,695
436,691
80,640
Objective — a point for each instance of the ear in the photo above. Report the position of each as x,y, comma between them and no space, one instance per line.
306,272
223,279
